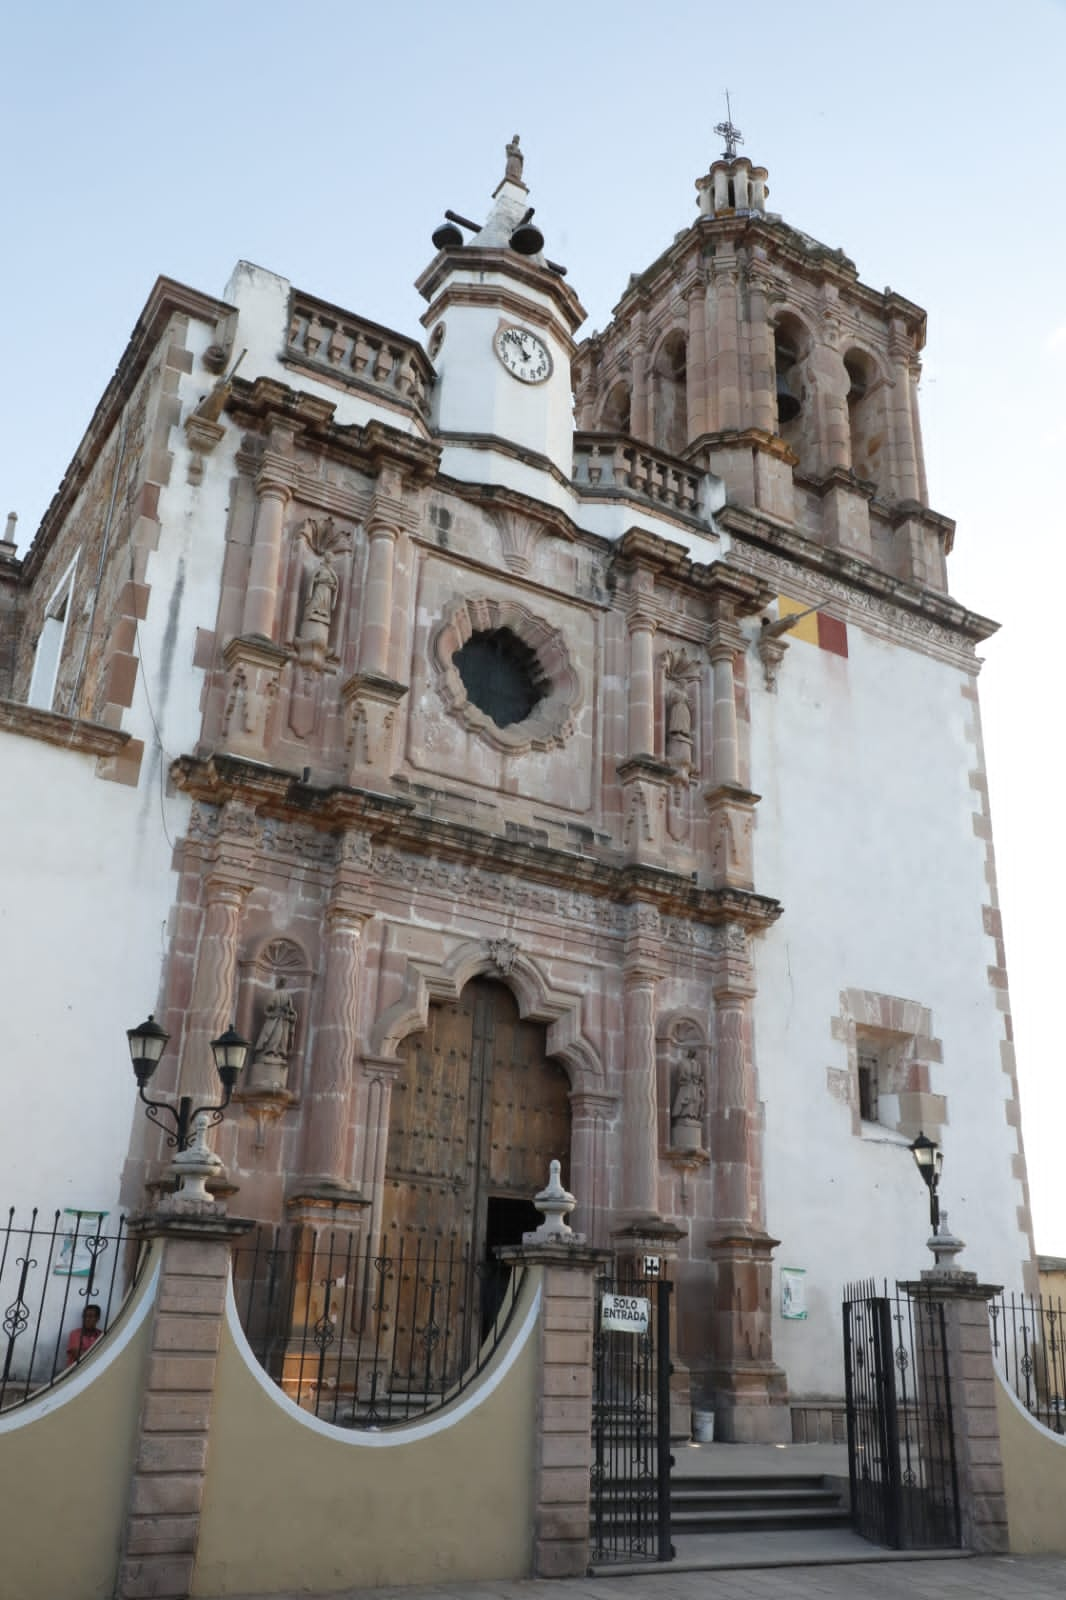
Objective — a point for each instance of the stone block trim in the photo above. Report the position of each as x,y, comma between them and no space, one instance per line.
907,1027
166,1492
997,976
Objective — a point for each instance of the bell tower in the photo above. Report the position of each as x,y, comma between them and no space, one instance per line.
752,350
501,323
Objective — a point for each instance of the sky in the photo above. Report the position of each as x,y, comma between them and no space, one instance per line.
325,141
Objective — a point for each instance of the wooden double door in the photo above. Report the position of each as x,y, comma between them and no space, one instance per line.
478,1112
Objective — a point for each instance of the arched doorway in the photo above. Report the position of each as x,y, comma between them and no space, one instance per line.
478,1112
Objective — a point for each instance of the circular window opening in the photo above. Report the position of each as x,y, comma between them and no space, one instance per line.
501,675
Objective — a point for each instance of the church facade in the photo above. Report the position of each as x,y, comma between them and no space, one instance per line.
539,747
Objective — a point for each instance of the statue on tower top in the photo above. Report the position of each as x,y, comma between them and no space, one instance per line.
515,158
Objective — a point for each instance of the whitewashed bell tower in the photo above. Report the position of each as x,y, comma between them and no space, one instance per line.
501,321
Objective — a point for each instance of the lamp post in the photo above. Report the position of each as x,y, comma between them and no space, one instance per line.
194,1162
929,1159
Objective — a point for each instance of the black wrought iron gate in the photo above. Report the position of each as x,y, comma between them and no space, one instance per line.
631,1420
901,1443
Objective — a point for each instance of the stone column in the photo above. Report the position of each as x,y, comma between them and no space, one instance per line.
562,1472
638,400
901,418
725,640
590,1113
641,707
726,377
327,1109
640,1114
274,487
211,1006
750,1392
162,1529
699,406
972,1381
377,599
763,358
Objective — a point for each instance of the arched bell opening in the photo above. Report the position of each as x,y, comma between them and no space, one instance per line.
670,394
866,426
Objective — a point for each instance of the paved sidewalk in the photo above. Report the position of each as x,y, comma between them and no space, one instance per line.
972,1578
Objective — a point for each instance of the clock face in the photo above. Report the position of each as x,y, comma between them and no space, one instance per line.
523,354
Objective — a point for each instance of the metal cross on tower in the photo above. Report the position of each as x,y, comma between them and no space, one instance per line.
729,131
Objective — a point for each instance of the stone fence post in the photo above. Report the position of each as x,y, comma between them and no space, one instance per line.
166,1491
972,1384
563,1466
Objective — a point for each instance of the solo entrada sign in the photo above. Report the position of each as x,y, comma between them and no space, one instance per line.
622,1313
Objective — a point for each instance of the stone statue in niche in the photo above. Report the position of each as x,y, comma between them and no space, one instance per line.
679,670
686,1109
321,598
277,1035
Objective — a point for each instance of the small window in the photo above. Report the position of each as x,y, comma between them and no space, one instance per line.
501,676
50,643
869,1059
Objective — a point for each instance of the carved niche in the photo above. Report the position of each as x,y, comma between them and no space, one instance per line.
275,998
684,1057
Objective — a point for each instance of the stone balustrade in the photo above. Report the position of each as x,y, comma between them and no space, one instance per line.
616,465
358,353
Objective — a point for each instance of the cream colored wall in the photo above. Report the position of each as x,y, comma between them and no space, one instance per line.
1034,1473
65,1465
292,1504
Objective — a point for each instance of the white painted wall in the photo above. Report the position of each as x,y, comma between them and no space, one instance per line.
865,833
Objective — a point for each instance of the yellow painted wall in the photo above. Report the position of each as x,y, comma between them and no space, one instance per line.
65,1475
1034,1472
287,1507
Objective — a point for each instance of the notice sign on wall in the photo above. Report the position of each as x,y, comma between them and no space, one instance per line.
623,1313
794,1293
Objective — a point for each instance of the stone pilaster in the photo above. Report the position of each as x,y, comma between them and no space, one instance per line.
214,981
274,488
328,1104
639,1200
750,1391
377,599
167,1488
722,646
640,709
974,1420
901,415
763,405
563,1433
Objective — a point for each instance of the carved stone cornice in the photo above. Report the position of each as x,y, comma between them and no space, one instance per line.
370,448
874,599
390,842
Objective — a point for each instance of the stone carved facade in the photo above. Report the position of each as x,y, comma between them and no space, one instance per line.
366,848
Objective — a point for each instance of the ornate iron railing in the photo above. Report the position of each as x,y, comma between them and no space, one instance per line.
53,1268
901,1444
1029,1345
371,1339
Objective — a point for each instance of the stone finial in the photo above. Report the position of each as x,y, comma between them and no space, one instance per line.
9,531
555,1205
515,159
944,1245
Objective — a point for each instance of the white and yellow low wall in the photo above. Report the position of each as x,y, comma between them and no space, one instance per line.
65,1465
1034,1474
294,1503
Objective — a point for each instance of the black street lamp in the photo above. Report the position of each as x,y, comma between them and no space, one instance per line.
929,1159
147,1044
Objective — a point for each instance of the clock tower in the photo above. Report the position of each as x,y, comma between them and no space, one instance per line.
501,322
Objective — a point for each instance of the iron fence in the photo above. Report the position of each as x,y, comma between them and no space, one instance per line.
370,1339
52,1271
901,1443
1029,1344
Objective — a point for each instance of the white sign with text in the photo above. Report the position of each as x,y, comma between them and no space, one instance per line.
623,1313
